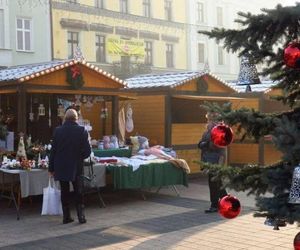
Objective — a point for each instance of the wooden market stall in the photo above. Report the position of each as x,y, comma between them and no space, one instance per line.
33,97
168,112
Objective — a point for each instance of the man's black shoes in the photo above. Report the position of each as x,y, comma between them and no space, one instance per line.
211,210
67,220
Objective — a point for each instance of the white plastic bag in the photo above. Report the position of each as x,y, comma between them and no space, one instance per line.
51,199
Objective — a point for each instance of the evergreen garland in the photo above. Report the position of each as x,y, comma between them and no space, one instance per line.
75,77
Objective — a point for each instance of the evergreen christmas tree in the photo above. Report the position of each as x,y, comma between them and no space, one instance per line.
263,38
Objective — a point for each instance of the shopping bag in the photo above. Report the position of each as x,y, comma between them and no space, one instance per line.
51,199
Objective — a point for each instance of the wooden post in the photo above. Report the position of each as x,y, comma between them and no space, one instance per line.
22,111
115,115
168,121
261,143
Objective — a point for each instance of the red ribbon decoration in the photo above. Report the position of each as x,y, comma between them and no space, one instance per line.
75,71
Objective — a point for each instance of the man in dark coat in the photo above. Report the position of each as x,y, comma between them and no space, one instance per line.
70,146
215,155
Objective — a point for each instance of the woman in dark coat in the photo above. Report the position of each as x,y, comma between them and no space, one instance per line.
70,146
215,155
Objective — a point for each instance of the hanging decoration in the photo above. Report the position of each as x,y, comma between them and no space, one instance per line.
129,121
248,72
10,113
229,207
41,110
31,114
294,195
49,112
221,135
104,113
292,55
297,242
75,77
77,100
60,111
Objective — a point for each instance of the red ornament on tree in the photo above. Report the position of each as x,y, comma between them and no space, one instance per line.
297,241
292,55
229,207
221,135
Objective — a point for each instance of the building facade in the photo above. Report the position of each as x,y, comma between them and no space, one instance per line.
24,32
110,32
205,15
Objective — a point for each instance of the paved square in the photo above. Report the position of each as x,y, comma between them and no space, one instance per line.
162,221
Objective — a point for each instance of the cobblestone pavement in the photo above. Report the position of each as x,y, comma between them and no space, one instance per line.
162,221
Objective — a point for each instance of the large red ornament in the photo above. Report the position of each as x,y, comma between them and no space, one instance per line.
297,241
229,207
221,135
292,55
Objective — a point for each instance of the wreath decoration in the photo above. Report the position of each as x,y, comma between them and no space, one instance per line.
74,77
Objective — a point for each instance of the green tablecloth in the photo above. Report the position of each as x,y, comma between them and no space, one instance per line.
147,176
118,152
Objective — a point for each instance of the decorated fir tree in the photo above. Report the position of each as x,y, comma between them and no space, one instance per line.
271,38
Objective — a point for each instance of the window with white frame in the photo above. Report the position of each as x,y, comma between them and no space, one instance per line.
1,28
220,55
147,8
219,16
200,12
200,52
148,53
168,10
100,49
124,6
73,42
169,55
24,34
99,4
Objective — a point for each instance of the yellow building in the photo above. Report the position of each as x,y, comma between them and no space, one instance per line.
148,32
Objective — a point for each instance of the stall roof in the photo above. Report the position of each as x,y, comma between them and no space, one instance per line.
172,79
264,86
205,97
25,72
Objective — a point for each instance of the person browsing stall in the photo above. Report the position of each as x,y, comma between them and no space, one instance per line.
212,154
70,146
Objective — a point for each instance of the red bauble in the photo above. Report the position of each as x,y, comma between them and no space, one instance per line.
221,135
229,207
297,241
292,55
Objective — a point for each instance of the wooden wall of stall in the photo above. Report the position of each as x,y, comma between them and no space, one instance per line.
149,118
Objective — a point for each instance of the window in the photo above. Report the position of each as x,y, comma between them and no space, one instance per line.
99,4
72,1
169,55
24,34
100,49
148,53
168,10
147,8
200,12
73,42
200,52
220,55
1,28
124,6
219,16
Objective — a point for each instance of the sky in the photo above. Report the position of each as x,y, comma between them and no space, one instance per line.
287,2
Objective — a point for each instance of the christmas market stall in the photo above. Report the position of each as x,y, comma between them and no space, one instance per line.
34,98
168,111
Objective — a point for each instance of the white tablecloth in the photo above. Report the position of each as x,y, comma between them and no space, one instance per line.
33,181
